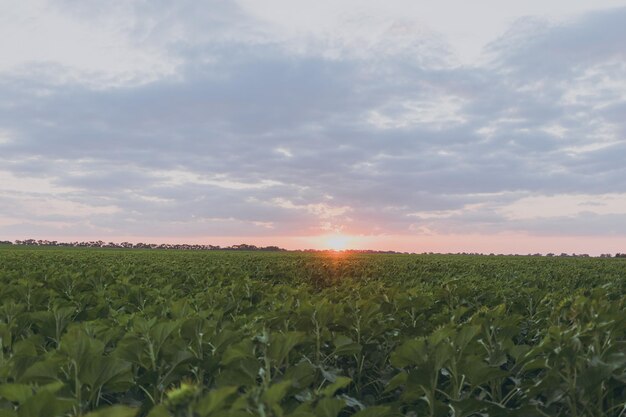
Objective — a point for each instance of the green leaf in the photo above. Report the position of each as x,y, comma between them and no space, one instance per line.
340,382
241,350
412,352
114,411
301,375
478,372
282,344
44,404
5,335
80,348
301,413
52,387
517,351
469,407
344,346
43,371
465,336
107,371
524,411
375,411
214,401
159,411
240,372
329,407
276,392
160,332
396,382
17,393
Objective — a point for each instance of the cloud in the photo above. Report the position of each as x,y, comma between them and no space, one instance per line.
246,132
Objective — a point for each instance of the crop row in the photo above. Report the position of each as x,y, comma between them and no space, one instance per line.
116,333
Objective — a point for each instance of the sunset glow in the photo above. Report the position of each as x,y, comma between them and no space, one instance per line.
338,242
453,126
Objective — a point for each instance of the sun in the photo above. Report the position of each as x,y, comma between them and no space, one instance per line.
337,242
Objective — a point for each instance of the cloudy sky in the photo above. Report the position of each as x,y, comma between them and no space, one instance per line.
405,124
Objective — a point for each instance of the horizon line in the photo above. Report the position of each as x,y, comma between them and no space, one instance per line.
101,244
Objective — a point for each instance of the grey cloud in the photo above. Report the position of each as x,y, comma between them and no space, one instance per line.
537,49
235,101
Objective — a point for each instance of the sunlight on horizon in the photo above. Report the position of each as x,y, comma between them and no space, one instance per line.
336,242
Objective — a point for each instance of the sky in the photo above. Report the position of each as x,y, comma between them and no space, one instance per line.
449,126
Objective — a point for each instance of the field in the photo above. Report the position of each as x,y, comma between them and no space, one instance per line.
173,333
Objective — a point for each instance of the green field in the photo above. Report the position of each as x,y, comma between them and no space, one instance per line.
173,333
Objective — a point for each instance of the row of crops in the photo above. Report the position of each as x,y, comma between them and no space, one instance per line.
207,334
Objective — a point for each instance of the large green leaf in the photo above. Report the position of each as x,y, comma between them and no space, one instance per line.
339,383
114,411
329,407
282,344
214,401
44,404
17,393
375,411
